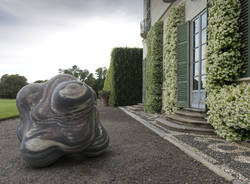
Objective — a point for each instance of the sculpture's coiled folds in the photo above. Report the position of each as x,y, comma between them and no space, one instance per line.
59,117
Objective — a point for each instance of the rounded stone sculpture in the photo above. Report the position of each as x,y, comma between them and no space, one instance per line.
59,117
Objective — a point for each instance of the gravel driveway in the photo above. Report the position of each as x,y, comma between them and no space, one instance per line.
135,155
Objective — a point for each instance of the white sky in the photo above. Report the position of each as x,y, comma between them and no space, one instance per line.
35,41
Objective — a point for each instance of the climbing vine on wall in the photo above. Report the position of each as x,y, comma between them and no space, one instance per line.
154,68
223,49
176,17
228,103
229,112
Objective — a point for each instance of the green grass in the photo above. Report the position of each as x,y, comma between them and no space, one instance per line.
8,108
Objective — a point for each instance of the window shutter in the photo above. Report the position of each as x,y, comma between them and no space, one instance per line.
244,39
183,65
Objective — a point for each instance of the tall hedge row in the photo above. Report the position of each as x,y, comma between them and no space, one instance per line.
154,72
124,78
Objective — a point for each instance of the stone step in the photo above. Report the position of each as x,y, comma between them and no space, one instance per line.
188,121
138,106
133,108
194,110
182,128
191,114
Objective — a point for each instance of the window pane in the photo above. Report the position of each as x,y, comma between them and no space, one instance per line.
204,20
196,68
203,67
203,51
196,25
203,36
203,81
195,83
196,40
197,54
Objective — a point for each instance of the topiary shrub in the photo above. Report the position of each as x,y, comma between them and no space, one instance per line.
124,77
229,112
153,101
176,17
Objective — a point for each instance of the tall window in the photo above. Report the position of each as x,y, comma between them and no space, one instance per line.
148,14
199,46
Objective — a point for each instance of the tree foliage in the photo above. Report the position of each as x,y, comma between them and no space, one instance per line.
85,76
101,73
40,81
101,76
11,84
76,72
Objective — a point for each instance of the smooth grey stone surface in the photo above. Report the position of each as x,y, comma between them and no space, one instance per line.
56,118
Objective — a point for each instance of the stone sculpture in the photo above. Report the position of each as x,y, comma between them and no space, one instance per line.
59,117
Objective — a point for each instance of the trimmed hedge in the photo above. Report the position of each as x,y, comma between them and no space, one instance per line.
176,17
109,81
153,101
228,103
124,77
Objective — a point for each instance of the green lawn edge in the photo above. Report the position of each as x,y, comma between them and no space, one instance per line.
8,109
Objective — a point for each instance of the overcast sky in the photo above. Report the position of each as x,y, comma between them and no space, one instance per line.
37,37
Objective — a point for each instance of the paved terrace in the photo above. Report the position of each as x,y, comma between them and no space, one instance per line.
136,155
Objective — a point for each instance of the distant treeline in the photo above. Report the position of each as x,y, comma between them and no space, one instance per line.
11,84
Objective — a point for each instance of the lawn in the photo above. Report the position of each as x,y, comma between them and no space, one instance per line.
8,108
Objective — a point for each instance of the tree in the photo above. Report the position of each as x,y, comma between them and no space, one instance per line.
11,84
101,76
40,81
88,78
82,75
76,72
91,81
101,73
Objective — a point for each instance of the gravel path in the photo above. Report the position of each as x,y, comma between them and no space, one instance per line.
135,155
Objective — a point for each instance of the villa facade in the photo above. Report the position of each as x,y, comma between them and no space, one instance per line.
191,49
